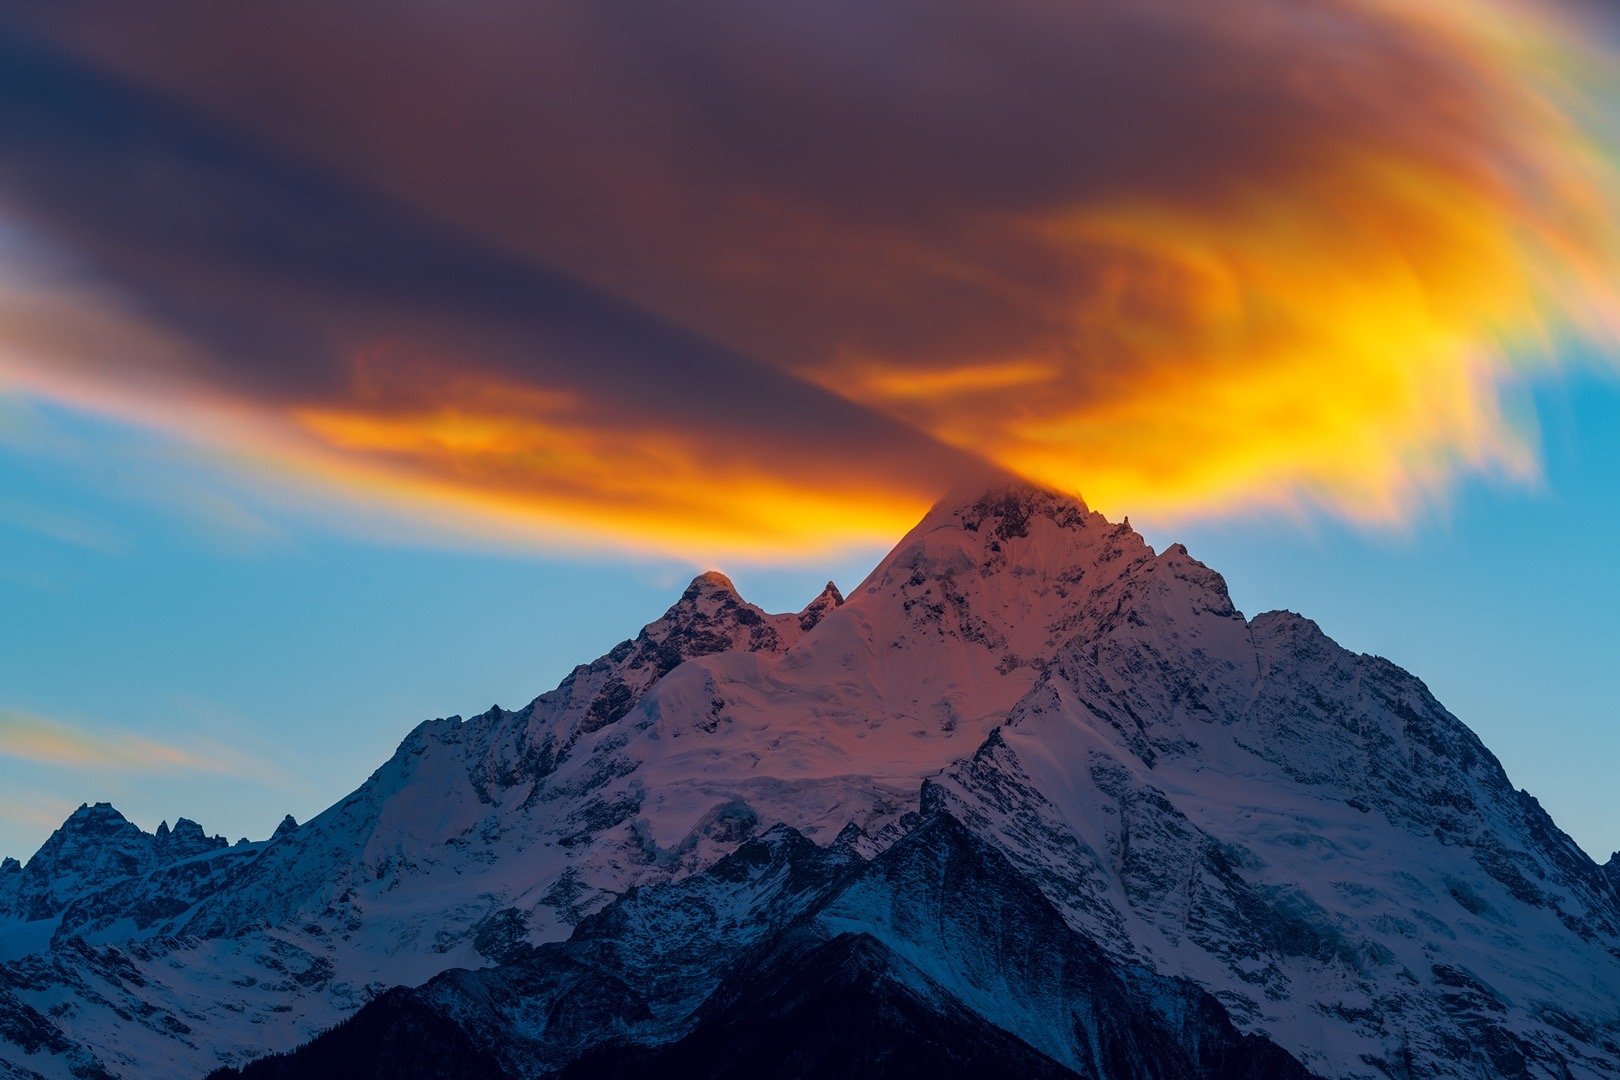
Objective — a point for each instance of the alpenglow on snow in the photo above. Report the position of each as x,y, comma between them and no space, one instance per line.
1033,797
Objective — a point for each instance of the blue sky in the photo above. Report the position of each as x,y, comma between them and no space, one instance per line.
148,593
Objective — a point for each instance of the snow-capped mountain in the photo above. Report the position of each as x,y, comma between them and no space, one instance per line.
95,846
1235,808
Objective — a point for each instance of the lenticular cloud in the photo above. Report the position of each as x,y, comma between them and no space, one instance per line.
763,278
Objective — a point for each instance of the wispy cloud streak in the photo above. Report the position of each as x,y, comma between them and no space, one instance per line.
47,741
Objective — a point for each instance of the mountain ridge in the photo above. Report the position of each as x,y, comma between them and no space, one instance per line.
1201,795
812,969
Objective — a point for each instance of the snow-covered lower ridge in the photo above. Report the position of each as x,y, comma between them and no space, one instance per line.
1303,832
936,952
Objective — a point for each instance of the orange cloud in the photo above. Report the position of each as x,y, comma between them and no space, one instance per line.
757,278
1348,344
1343,332
47,741
543,474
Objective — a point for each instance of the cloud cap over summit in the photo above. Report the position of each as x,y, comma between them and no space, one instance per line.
759,276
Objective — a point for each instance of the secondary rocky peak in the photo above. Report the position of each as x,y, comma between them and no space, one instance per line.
709,617
828,597
95,845
92,812
709,583
184,841
90,824
1204,584
827,600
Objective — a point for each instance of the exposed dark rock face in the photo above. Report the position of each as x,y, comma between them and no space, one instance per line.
846,1007
396,1036
830,599
785,959
96,847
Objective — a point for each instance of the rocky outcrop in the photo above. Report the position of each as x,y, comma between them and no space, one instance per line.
95,848
784,959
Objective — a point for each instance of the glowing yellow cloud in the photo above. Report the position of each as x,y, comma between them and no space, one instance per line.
1177,258
1340,333
551,481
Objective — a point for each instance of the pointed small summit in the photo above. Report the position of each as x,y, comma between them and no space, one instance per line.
709,582
709,605
816,610
709,617
92,823
184,841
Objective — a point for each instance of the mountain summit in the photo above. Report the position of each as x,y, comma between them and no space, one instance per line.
1234,829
